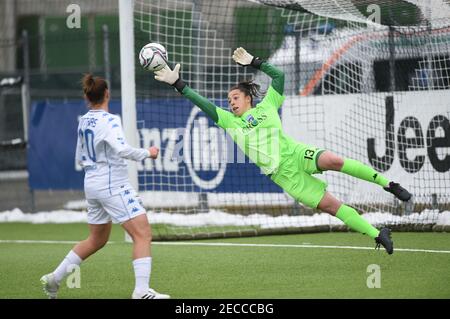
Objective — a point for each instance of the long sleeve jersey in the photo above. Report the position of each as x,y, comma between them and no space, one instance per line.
101,151
258,132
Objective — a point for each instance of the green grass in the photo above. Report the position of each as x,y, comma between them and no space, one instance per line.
231,272
17,231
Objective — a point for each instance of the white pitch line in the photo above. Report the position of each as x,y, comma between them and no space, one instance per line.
298,246
170,243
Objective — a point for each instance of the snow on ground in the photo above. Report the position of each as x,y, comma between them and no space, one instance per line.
220,218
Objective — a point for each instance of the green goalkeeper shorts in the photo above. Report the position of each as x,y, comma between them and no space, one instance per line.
294,175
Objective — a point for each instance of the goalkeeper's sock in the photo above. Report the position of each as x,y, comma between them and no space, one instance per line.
64,267
362,171
142,270
355,221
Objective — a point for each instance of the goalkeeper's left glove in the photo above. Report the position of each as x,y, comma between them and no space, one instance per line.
171,77
242,57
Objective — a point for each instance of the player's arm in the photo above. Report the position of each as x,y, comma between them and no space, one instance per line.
78,155
221,117
115,138
242,57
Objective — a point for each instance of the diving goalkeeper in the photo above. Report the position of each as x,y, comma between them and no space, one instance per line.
289,164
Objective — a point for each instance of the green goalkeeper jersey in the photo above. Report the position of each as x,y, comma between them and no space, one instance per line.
258,132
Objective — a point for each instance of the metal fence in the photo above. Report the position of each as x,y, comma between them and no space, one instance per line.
40,73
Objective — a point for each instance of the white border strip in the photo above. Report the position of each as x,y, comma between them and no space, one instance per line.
231,244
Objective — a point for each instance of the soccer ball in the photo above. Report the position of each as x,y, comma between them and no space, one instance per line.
153,57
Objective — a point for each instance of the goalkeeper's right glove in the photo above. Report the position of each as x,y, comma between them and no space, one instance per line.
171,77
242,57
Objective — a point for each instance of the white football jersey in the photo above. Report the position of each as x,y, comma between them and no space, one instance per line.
101,151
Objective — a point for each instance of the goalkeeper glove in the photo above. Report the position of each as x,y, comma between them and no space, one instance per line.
171,77
242,57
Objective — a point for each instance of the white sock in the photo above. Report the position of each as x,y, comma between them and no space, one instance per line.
142,270
61,271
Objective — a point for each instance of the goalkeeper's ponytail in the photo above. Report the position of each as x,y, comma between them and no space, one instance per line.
249,88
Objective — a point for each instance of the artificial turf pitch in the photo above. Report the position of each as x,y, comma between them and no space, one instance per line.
287,266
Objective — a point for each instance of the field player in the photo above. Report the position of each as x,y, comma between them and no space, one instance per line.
101,151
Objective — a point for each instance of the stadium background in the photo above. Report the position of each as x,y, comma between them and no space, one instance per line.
48,57
375,92
56,56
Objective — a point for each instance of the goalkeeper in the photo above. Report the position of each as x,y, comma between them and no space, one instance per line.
258,132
